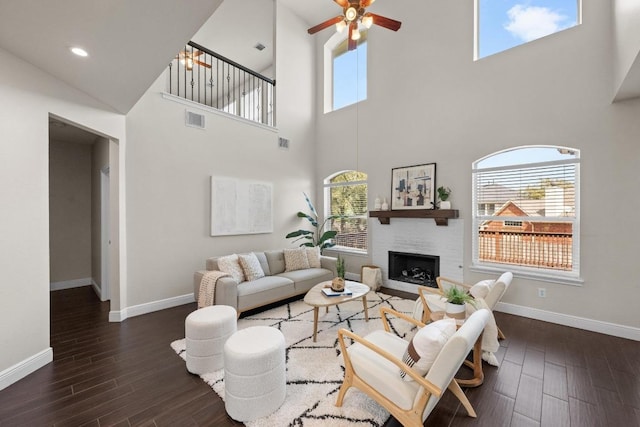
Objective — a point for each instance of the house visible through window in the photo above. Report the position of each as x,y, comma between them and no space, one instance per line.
534,227
501,25
346,195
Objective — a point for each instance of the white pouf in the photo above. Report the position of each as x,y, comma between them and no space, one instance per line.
206,331
254,373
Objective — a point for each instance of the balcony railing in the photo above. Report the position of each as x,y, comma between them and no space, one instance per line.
545,250
203,76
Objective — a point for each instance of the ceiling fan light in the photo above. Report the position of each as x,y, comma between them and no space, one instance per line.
340,26
351,13
367,21
355,34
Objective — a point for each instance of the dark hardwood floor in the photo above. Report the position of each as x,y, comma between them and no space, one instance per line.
126,374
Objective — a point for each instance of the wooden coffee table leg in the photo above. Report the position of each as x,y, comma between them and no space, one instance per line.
366,308
478,375
315,322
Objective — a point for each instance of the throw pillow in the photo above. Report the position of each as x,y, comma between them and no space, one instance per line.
230,265
313,256
251,266
425,346
481,289
295,259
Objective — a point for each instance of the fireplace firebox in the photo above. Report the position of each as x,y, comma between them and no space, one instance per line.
417,269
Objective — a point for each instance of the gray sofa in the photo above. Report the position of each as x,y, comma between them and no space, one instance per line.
277,284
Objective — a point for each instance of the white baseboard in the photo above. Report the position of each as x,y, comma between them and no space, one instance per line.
150,307
22,369
68,284
599,326
352,276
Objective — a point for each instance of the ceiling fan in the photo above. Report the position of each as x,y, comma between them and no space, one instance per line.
354,13
189,58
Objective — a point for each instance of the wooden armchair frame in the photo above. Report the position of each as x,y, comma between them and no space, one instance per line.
410,417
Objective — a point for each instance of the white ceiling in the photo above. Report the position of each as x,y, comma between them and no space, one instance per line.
130,42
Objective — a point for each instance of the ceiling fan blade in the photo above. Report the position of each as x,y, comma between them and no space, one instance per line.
366,3
325,24
342,3
197,53
389,23
352,44
204,64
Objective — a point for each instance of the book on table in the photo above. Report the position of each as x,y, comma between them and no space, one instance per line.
331,293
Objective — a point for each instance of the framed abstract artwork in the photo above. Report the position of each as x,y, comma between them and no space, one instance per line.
413,187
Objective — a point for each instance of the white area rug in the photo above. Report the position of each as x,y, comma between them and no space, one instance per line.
315,370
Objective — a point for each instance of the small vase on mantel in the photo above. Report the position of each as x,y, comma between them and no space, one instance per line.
385,205
445,205
377,205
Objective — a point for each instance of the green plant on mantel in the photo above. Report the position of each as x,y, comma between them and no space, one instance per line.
455,295
443,193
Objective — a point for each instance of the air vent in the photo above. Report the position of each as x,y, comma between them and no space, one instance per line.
283,143
194,120
259,46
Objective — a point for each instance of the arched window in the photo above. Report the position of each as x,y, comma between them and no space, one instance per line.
346,195
526,211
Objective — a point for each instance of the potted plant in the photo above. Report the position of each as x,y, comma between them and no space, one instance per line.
337,284
319,237
443,195
456,300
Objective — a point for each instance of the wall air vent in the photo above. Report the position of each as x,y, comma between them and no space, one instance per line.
283,143
194,120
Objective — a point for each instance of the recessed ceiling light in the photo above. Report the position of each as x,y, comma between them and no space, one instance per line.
79,51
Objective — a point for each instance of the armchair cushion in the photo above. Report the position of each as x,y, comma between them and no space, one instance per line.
482,288
425,346
380,373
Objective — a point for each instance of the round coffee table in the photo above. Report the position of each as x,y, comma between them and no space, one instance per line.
316,298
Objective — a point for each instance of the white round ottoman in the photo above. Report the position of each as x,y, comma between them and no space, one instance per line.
206,331
254,373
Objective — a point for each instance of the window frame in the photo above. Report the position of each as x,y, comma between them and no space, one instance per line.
327,186
572,277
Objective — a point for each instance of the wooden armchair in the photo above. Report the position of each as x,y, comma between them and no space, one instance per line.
373,364
433,300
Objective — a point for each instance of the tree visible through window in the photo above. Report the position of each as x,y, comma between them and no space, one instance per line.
533,222
346,195
504,24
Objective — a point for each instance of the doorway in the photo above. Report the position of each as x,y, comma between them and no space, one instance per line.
83,209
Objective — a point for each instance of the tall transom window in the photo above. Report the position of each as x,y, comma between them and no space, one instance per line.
345,72
346,195
501,25
526,212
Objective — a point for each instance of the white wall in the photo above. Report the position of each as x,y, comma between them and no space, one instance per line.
99,159
28,97
69,211
428,101
169,165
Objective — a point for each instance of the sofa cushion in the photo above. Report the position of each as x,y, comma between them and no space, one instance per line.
251,266
308,278
263,291
295,259
230,265
262,258
425,346
276,261
313,256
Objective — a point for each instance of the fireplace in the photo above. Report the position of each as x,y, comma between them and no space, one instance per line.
417,269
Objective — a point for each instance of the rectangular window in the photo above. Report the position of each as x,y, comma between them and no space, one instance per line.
501,25
349,74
